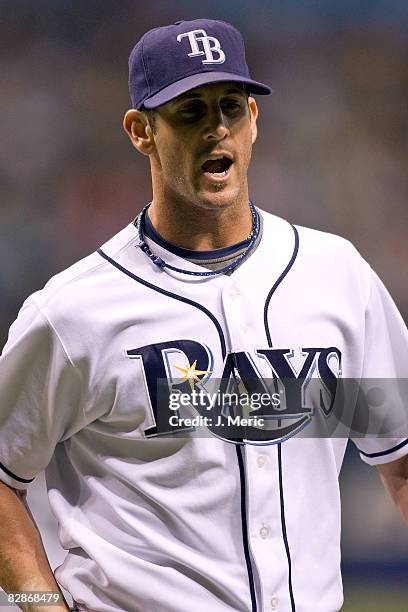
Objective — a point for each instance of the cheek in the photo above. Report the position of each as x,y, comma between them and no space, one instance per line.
167,157
173,156
246,149
175,165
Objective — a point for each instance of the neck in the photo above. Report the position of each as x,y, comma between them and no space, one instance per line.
196,228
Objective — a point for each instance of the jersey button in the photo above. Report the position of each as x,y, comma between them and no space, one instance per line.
264,532
261,461
274,603
244,327
234,293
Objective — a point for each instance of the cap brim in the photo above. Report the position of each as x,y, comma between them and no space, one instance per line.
203,78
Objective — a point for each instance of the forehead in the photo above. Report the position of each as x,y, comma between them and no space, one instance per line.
212,89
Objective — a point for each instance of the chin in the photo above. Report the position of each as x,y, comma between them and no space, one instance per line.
218,198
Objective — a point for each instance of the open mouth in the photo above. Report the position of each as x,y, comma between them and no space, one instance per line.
218,167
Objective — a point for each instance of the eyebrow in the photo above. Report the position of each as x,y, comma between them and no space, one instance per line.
190,95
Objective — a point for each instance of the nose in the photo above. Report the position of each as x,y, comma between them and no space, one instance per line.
217,127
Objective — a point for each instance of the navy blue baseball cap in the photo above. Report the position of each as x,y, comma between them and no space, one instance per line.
170,60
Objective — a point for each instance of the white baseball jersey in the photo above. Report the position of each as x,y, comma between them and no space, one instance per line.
173,521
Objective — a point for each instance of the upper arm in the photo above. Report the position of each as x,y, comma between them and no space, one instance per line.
40,399
394,475
394,469
385,372
4,488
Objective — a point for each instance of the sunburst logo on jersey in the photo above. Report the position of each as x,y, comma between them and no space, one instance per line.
191,373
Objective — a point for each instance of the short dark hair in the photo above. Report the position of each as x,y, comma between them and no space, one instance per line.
151,117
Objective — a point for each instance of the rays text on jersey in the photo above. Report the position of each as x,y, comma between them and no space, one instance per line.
292,385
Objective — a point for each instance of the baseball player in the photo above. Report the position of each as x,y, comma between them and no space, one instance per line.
167,499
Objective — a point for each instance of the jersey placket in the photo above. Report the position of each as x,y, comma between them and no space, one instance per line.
265,527
264,522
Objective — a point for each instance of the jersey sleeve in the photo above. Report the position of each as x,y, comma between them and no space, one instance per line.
40,397
385,367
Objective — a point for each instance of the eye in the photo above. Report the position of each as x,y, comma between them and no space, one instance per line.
193,109
232,106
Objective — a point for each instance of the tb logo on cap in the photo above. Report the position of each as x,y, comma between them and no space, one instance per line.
200,36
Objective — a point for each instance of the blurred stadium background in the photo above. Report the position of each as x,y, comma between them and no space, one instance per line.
331,154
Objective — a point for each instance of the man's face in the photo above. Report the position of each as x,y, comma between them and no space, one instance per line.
202,145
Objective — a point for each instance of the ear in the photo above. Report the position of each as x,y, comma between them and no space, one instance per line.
136,126
253,111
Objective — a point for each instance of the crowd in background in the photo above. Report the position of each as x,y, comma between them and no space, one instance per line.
331,152
332,146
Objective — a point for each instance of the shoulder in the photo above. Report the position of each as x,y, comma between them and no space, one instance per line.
321,255
73,299
311,242
81,278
